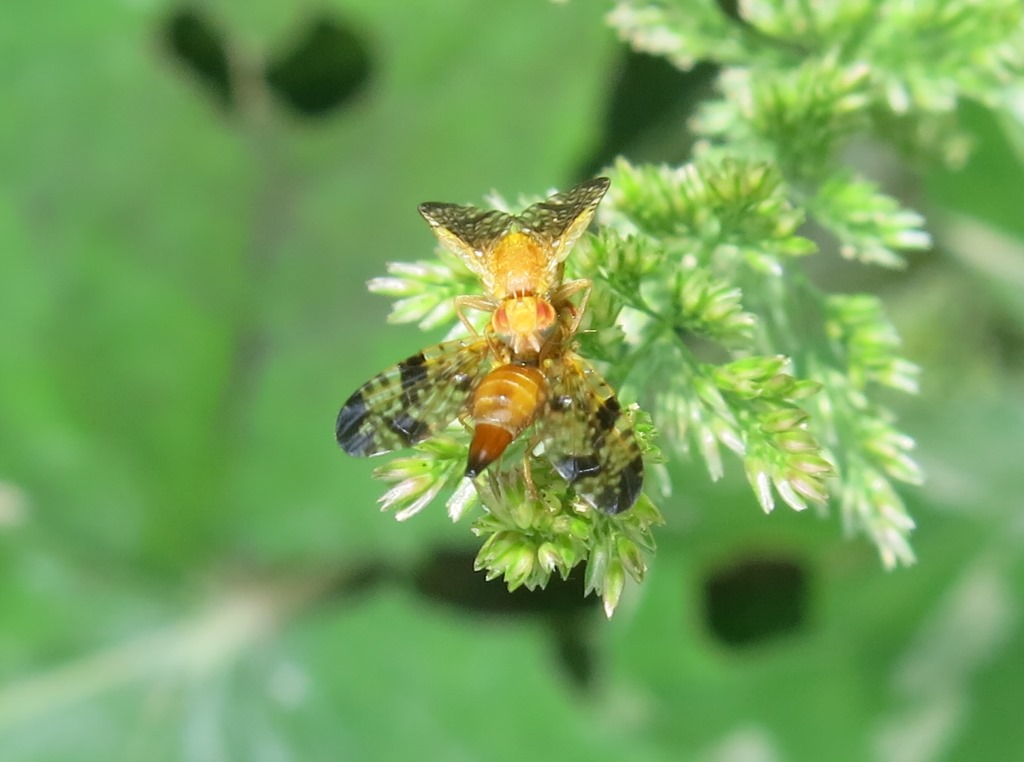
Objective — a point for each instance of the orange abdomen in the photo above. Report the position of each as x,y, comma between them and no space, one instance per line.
504,404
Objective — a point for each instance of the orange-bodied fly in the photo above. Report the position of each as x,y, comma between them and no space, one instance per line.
522,372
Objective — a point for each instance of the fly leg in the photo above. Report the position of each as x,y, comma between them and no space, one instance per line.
531,487
567,289
482,304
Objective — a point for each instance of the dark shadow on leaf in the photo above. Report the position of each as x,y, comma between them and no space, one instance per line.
648,105
200,48
328,65
755,600
448,578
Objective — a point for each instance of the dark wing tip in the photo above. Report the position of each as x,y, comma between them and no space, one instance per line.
348,429
584,472
428,210
592,189
630,485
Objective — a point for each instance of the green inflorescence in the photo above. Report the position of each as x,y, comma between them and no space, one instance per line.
700,309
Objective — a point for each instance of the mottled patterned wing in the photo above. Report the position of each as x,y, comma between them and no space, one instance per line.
589,440
561,219
468,232
413,400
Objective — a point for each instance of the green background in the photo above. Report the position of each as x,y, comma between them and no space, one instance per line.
190,570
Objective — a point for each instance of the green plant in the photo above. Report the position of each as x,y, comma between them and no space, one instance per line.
701,310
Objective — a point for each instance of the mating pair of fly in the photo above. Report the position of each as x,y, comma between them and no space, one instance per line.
522,371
